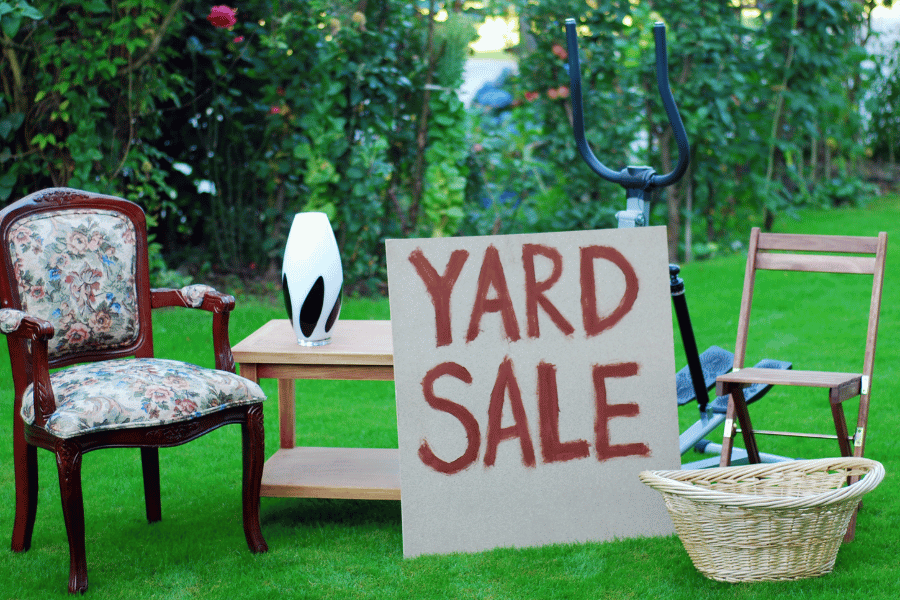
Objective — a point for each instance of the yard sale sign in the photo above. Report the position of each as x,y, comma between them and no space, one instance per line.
534,380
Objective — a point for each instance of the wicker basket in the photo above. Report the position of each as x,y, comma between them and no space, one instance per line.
770,522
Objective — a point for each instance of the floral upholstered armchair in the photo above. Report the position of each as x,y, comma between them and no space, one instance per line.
75,292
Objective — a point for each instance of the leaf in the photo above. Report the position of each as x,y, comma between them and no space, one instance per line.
42,139
31,12
193,44
10,24
98,6
10,123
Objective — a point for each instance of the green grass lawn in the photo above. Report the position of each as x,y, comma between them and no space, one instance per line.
353,549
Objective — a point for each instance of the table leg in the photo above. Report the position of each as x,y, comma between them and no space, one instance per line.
286,413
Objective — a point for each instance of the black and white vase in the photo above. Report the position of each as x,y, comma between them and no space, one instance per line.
312,278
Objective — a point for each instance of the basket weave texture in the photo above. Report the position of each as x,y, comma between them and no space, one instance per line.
770,522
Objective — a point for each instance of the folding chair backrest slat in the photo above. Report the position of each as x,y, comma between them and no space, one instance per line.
814,263
817,243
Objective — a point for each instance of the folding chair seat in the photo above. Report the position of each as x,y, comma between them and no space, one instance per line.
716,416
694,437
813,254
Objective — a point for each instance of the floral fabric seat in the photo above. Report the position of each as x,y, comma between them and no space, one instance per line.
138,392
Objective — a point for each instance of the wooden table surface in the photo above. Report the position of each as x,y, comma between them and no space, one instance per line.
352,342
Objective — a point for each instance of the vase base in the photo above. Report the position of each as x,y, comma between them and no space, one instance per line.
314,342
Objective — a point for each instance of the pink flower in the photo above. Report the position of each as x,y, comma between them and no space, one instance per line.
560,52
83,285
100,321
553,93
177,382
239,39
158,394
78,334
95,241
222,16
563,91
60,261
274,110
77,243
532,96
21,235
185,406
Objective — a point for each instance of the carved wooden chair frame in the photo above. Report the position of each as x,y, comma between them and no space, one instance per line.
28,348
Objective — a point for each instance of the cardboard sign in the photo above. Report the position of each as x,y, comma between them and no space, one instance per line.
535,378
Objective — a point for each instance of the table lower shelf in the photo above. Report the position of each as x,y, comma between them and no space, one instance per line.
347,473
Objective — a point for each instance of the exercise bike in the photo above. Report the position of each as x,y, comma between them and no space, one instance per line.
694,381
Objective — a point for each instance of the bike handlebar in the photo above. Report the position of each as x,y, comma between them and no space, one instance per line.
647,179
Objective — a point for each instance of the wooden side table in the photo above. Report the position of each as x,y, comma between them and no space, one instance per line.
359,350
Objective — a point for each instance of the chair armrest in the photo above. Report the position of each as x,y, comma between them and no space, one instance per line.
205,298
199,296
26,328
20,324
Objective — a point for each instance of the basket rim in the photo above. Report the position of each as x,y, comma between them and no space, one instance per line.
670,482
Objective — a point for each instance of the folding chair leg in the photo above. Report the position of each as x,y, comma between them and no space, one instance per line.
737,407
840,427
851,528
728,436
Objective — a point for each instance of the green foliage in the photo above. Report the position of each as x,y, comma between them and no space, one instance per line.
82,84
446,151
883,103
313,107
81,90
309,106
445,176
347,108
770,101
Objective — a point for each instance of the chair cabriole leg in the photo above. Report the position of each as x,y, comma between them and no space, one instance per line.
68,462
25,458
253,446
150,468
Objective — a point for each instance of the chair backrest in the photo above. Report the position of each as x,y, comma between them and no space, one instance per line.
821,254
78,260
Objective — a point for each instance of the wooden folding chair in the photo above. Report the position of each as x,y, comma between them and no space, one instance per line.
811,253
